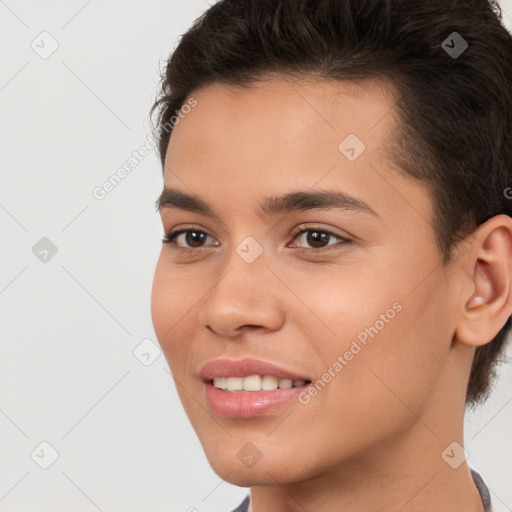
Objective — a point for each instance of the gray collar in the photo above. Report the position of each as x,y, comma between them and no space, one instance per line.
483,490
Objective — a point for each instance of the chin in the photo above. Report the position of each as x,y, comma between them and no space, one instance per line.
250,477
267,470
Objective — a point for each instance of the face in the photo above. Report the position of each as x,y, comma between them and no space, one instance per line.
340,286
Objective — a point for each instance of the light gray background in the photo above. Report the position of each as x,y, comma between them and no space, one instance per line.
70,325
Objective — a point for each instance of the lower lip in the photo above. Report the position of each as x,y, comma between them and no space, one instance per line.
248,404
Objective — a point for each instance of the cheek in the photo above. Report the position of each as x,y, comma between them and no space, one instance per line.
161,301
174,309
167,308
375,386
396,362
341,303
389,339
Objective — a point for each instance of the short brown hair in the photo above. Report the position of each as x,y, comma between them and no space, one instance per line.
455,111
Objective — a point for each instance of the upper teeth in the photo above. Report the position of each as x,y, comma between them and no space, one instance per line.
255,383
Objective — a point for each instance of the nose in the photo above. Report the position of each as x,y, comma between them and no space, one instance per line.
245,296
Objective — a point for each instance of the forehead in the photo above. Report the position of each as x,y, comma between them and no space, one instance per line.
283,113
284,125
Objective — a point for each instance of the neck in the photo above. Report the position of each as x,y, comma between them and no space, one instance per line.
406,476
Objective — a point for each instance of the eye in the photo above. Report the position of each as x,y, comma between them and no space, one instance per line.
319,239
190,238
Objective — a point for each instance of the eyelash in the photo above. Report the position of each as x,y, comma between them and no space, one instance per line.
170,239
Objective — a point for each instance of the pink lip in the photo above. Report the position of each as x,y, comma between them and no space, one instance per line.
246,404
244,368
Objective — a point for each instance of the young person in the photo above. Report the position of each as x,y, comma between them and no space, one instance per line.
334,286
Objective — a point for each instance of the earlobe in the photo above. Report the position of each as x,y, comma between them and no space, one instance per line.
489,262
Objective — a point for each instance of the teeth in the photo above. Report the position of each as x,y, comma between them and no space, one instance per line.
234,383
285,383
220,382
252,383
255,383
269,382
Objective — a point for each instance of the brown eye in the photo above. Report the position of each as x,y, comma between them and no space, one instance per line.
319,239
190,238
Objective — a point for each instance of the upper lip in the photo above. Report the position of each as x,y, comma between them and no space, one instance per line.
244,368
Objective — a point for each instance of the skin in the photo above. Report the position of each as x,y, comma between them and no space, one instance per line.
372,439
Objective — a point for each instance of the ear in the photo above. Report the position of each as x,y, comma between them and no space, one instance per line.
488,269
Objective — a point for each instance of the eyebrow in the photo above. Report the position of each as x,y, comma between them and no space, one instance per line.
293,201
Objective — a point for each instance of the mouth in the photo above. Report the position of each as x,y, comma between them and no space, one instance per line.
247,388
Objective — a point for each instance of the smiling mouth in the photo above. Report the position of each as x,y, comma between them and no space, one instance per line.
255,383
